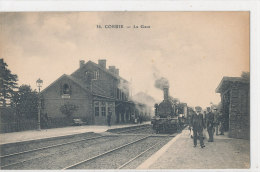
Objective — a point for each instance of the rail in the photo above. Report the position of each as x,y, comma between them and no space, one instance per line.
71,142
128,162
100,155
42,148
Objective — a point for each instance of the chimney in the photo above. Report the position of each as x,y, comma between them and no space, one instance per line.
81,63
117,72
166,92
112,69
102,63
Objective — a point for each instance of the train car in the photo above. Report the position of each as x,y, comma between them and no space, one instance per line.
166,119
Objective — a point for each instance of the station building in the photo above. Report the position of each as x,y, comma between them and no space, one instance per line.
235,101
96,90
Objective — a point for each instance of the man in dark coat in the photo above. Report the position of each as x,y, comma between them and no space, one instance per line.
109,118
216,120
210,124
197,123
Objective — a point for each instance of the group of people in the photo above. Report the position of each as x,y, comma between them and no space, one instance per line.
212,121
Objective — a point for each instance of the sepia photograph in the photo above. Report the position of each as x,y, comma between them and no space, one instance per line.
140,90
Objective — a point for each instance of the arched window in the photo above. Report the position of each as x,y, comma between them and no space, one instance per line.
66,89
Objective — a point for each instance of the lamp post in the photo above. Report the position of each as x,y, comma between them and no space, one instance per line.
39,83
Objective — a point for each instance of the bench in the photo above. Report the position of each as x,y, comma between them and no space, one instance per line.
78,122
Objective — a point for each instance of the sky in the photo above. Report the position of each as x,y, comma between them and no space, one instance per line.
193,50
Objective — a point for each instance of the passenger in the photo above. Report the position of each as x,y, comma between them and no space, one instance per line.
197,123
216,120
210,124
109,119
221,119
141,119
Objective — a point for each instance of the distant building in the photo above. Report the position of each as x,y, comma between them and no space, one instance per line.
235,101
95,90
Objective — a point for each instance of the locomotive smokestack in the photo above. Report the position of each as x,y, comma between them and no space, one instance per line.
166,92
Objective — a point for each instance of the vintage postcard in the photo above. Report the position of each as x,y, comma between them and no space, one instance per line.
125,90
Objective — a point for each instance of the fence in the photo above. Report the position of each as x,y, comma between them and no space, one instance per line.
27,124
18,126
56,123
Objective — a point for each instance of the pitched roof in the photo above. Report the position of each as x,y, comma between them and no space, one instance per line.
76,81
226,81
101,68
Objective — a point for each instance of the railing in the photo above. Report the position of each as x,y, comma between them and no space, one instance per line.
24,124
18,126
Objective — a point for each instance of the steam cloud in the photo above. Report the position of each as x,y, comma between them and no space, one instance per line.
161,83
123,86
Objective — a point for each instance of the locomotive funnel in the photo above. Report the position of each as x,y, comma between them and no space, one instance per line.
166,92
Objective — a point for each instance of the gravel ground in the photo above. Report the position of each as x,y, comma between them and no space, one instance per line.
48,152
60,157
24,146
134,164
115,159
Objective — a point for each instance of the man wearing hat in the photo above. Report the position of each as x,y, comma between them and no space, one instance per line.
210,124
197,124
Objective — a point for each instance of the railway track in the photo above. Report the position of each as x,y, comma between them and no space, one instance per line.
100,158
70,142
48,147
10,160
100,155
39,149
20,153
137,156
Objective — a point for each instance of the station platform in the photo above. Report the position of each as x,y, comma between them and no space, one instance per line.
179,153
6,138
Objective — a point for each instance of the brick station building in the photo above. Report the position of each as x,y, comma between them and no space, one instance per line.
235,101
96,91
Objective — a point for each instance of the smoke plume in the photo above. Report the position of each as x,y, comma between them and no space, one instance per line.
161,83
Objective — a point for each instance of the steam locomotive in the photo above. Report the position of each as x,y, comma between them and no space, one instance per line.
169,115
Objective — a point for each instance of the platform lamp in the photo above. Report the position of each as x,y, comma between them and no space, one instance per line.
39,83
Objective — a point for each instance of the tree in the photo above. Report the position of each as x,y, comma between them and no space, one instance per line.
8,84
25,101
68,109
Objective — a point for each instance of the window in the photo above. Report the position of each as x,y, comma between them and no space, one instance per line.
103,109
96,111
66,89
96,105
96,74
